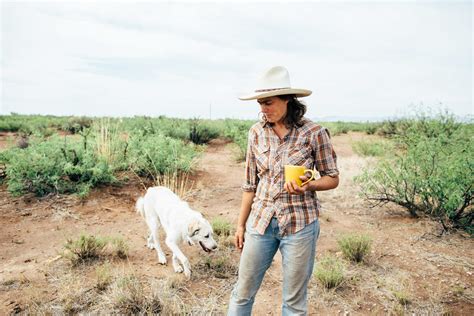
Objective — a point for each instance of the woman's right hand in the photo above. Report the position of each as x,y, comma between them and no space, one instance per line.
239,238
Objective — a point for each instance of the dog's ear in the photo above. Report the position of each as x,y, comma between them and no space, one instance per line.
193,228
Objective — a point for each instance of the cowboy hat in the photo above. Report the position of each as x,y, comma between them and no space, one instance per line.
275,81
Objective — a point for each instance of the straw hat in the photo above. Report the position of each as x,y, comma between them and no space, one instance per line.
275,81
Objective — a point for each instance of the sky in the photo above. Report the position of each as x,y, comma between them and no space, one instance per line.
192,59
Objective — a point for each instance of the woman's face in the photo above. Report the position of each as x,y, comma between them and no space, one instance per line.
274,108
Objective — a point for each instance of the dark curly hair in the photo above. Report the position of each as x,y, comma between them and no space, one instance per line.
295,111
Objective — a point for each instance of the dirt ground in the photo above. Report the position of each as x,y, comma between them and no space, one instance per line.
409,256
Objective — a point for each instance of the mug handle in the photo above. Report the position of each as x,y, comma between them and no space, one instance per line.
311,178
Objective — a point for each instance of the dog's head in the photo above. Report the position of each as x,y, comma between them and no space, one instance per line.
200,231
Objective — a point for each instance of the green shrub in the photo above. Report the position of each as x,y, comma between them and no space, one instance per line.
329,272
54,166
355,246
155,154
85,249
390,128
119,247
339,127
29,124
201,133
174,128
75,125
88,248
77,164
433,173
238,131
372,148
371,129
402,297
221,227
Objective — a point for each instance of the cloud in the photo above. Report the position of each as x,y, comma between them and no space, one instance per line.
181,59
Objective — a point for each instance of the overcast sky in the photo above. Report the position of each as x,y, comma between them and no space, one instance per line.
361,59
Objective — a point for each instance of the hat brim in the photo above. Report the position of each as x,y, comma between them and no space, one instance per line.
300,93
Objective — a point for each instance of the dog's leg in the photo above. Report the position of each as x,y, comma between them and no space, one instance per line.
176,265
149,242
154,226
170,242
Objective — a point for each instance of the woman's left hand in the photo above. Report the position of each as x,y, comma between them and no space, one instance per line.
293,188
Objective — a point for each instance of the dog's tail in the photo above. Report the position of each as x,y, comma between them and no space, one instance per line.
140,206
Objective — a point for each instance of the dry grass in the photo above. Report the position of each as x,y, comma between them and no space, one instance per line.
74,294
375,289
329,272
118,247
107,139
103,276
221,227
220,264
127,295
179,183
355,246
107,292
109,289
15,283
85,249
89,248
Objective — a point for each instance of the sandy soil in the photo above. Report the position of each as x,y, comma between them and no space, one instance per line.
436,271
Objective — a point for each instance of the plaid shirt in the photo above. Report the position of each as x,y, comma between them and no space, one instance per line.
309,146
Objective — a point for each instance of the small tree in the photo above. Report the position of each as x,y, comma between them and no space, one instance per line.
432,173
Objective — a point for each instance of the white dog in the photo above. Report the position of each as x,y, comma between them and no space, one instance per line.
161,207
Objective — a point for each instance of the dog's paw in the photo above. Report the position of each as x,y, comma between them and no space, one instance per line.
162,260
187,273
150,246
178,269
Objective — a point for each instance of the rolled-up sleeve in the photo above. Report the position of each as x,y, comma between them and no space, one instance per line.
250,177
325,156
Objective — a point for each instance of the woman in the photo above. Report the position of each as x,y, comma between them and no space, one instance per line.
276,215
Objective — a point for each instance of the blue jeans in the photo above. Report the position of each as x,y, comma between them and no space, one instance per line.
298,252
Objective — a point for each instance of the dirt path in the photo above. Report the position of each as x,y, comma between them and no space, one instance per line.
435,272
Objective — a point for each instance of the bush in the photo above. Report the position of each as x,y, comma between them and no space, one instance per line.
390,128
329,272
146,126
355,246
85,249
201,133
219,264
372,148
119,247
154,155
128,296
432,174
54,166
77,164
238,131
103,277
27,124
402,297
221,227
88,248
371,129
75,125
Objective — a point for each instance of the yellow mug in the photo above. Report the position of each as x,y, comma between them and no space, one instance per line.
294,173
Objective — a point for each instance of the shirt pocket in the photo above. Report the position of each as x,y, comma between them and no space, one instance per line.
262,157
300,156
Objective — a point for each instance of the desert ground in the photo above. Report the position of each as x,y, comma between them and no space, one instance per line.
413,268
